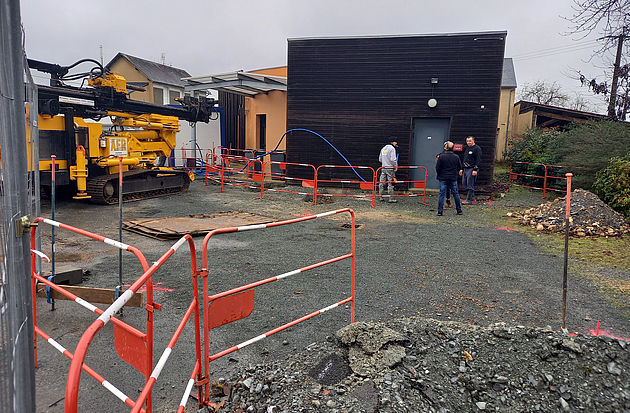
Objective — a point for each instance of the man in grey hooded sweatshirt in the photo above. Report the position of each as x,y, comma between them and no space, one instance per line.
389,163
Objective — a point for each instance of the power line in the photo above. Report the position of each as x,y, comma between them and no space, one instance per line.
556,49
547,54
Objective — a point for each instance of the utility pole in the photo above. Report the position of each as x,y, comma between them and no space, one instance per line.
615,79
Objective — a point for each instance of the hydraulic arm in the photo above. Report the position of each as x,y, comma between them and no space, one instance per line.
72,127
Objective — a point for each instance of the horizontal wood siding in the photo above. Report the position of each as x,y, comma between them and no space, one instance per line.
357,92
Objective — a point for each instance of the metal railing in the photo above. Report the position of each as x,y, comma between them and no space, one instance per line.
539,176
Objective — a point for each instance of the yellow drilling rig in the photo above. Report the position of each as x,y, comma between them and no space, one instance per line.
87,153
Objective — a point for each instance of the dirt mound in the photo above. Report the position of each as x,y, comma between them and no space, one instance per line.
416,364
590,216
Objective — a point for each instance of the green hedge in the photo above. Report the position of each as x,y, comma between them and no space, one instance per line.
612,184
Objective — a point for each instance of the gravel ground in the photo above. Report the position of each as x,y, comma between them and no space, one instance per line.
409,263
416,364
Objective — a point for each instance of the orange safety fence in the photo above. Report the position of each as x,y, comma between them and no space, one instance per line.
304,182
191,158
136,347
237,171
535,175
252,174
238,303
361,183
132,346
416,184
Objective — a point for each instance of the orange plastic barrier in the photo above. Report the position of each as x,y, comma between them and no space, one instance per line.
136,347
421,184
544,175
251,174
237,303
132,345
237,171
364,184
304,182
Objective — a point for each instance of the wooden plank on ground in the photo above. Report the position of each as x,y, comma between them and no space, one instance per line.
195,225
92,295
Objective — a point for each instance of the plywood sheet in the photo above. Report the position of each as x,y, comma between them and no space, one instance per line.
92,295
175,227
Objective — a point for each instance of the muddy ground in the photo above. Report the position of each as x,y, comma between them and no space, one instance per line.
409,262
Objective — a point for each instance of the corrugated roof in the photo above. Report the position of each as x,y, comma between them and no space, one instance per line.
155,72
242,83
509,76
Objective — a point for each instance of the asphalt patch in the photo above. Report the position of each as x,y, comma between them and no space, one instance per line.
330,370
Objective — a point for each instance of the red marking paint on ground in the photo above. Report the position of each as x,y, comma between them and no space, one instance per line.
155,287
489,202
300,215
506,227
598,332
607,334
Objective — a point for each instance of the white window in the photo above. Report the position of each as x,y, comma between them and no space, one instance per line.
172,94
158,95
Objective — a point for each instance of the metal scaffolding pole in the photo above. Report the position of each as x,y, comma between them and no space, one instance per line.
17,377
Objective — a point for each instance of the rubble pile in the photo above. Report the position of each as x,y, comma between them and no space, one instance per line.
424,365
590,216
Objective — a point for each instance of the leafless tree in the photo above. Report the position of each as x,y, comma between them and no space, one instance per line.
611,20
579,102
544,93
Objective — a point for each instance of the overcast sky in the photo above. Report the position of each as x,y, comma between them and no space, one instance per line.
205,37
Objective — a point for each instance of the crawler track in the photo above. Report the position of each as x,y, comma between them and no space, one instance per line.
137,185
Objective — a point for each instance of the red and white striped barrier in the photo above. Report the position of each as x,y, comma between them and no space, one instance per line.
138,346
238,303
411,183
212,304
221,169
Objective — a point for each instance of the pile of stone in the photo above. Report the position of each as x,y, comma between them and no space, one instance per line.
590,216
423,365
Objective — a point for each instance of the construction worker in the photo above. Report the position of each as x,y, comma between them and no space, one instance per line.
448,191
389,162
447,167
472,159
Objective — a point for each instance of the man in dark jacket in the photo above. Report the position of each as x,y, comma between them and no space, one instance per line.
448,167
472,159
448,191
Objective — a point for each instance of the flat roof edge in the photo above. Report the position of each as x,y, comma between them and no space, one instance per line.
387,36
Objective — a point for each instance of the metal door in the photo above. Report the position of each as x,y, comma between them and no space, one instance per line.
429,135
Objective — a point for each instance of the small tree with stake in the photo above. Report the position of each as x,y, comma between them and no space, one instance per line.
611,19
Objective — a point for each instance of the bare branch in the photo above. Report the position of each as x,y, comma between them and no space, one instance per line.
544,93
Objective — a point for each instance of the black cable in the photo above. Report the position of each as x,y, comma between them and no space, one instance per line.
86,60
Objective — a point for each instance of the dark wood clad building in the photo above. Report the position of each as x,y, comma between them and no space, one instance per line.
424,89
234,106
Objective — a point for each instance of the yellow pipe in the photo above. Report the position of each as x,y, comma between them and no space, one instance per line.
47,165
115,162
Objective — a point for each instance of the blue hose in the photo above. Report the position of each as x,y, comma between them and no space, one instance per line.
280,141
325,140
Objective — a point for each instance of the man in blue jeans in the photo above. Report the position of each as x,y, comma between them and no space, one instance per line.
448,167
472,159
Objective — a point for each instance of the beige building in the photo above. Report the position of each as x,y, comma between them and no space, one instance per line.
505,123
162,83
527,115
